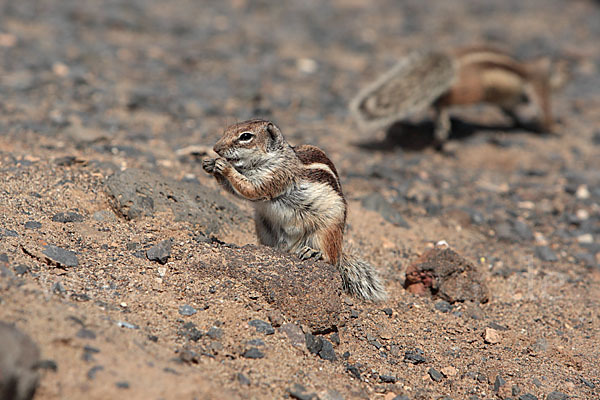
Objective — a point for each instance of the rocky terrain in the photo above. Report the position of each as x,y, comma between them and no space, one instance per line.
135,276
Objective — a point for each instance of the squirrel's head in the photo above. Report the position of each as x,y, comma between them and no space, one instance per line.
248,144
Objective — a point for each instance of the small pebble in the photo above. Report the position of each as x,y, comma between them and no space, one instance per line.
387,378
262,326
327,352
527,396
498,383
353,370
91,374
65,217
298,392
187,310
586,238
276,318
62,257
21,269
313,343
414,357
85,334
443,306
160,252
491,336
33,225
588,383
123,324
122,385
582,192
214,333
253,353
449,371
242,379
544,253
255,342
58,288
557,396
435,374
294,334
190,331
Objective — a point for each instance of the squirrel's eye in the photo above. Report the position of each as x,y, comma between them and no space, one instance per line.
245,137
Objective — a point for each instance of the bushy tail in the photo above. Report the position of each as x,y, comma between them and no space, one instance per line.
360,279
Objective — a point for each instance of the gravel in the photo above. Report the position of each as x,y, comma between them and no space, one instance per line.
33,225
84,333
557,396
414,357
253,353
498,383
91,374
68,216
187,310
262,326
160,252
60,256
435,375
545,253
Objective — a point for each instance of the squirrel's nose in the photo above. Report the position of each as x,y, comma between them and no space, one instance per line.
219,148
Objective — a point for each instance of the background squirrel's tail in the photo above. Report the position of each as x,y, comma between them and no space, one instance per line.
360,279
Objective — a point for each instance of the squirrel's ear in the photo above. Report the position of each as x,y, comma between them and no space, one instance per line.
274,133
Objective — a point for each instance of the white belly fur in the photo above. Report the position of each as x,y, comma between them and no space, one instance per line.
301,211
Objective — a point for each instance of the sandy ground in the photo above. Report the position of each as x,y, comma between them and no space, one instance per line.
98,98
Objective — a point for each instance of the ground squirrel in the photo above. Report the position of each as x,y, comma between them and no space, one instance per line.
461,77
297,196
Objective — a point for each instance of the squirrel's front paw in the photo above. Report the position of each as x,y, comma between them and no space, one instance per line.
307,252
208,164
221,165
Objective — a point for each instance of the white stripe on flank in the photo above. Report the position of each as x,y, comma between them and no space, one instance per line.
323,167
486,56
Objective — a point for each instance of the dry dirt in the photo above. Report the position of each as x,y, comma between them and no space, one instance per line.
98,98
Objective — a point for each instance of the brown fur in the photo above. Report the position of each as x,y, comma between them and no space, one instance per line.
442,79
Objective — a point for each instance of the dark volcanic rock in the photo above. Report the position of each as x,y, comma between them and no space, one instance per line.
307,292
414,357
33,225
327,352
527,396
187,310
262,326
545,253
447,275
67,217
253,353
557,396
314,344
160,252
84,333
19,358
376,202
61,257
138,193
294,334
298,392
498,383
435,374
190,332
122,385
